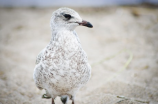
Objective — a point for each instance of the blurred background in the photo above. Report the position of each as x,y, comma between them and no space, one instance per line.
81,3
122,49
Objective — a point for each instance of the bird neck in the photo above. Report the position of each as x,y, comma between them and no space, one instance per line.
59,35
65,39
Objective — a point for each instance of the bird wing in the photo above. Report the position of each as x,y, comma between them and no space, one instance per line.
38,59
36,75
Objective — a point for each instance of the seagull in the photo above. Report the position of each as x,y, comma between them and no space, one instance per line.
62,67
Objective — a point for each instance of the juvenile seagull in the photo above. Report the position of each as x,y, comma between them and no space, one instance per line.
62,67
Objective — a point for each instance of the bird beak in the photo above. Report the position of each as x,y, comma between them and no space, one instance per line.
86,23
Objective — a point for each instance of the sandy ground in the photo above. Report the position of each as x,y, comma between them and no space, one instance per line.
122,49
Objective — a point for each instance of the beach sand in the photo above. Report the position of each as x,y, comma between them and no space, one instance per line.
122,49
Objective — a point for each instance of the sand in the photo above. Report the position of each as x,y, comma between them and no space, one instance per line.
122,49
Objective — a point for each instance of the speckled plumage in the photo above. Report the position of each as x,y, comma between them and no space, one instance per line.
62,66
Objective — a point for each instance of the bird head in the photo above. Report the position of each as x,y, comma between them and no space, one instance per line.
68,19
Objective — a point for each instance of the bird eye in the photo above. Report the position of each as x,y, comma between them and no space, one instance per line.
67,16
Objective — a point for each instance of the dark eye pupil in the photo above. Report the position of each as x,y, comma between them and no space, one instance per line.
67,16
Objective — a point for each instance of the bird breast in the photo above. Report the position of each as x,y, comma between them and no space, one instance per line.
64,62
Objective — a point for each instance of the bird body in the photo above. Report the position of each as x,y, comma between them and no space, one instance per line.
62,67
